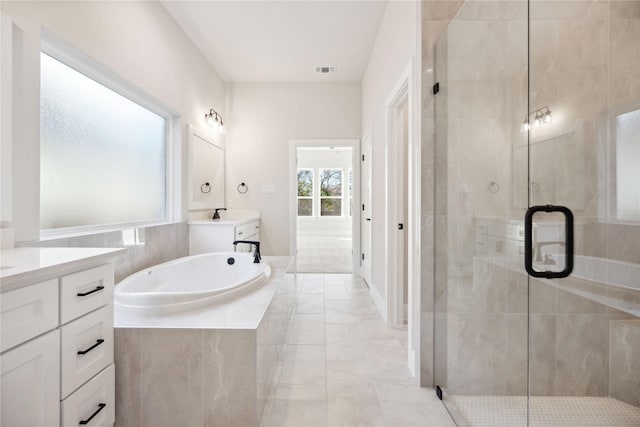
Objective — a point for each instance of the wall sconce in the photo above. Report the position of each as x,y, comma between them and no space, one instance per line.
541,117
214,120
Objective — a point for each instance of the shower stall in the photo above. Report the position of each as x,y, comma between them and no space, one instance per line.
533,126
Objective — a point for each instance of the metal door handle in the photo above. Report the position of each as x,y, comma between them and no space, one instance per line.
528,242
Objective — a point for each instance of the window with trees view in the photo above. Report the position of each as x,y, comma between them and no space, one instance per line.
330,192
305,192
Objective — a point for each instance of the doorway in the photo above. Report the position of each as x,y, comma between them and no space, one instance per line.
402,226
324,202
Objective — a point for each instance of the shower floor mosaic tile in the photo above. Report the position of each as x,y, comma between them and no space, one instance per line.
553,411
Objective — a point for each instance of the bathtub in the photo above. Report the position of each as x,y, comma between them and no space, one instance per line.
203,335
191,282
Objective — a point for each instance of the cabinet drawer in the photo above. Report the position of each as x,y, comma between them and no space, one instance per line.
87,348
242,232
28,312
85,291
30,394
93,403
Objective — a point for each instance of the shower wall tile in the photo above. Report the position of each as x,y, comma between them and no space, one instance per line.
624,361
624,65
569,302
582,346
516,366
426,349
542,354
478,365
623,242
625,9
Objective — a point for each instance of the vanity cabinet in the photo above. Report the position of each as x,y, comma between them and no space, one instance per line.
57,348
205,237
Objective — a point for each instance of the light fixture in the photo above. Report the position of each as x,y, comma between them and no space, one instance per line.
541,117
214,120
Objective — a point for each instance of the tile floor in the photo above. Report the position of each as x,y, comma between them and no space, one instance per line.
343,366
324,254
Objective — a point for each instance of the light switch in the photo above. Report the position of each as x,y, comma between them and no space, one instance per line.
268,188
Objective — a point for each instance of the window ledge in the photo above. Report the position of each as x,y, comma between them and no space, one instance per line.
65,233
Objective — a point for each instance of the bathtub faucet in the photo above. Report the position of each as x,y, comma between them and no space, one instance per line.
216,215
256,254
538,249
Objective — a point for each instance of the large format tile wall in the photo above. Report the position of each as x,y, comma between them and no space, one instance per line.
581,65
146,246
207,377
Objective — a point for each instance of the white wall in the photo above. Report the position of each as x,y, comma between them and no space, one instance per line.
138,41
262,118
326,158
396,44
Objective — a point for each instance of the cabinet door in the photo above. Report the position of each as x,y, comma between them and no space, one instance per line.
31,383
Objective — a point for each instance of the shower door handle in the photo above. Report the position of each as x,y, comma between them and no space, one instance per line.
528,241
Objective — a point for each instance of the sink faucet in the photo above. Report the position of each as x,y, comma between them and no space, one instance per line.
539,246
256,254
216,215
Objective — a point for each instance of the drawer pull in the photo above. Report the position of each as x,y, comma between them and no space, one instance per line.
100,407
98,342
239,233
84,294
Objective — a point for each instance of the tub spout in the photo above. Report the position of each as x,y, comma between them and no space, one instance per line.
256,253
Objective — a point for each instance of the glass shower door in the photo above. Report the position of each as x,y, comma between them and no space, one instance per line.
584,153
481,160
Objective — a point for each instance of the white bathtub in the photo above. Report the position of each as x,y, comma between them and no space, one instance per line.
193,281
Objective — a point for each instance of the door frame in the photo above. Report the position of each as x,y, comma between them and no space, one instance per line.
403,90
367,135
354,144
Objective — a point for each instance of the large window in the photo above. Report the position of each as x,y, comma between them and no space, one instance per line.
305,192
103,156
330,192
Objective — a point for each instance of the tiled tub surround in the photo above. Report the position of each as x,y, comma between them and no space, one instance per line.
212,366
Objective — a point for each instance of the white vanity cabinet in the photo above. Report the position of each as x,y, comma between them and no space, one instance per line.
56,317
218,236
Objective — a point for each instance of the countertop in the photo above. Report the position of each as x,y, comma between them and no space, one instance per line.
23,266
226,221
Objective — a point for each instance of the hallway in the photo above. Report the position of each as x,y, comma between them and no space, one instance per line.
343,366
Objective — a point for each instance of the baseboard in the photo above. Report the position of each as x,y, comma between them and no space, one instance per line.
379,301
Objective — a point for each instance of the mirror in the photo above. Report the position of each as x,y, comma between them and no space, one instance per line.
206,170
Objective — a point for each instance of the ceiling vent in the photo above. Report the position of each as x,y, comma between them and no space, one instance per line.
325,70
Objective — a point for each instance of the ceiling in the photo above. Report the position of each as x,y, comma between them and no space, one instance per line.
282,41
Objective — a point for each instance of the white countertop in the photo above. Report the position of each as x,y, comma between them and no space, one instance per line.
23,266
225,221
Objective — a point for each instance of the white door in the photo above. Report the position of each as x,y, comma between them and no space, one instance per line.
365,210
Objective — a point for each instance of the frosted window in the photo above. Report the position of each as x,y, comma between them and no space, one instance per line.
627,165
102,155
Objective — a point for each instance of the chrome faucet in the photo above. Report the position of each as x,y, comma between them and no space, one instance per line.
216,215
539,246
256,254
